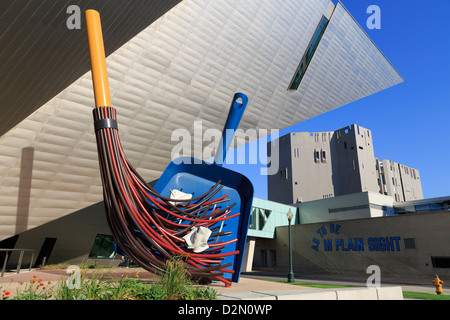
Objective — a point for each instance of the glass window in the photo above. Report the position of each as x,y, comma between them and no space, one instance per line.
360,207
316,156
259,218
434,207
423,207
410,243
306,59
104,247
440,262
316,39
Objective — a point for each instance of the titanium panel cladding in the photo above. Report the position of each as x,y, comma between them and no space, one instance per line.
182,69
347,66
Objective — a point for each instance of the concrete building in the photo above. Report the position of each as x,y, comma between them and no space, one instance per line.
404,246
266,217
424,205
171,65
347,207
399,181
347,234
322,165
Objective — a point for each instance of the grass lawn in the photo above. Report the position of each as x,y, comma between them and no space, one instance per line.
406,294
426,296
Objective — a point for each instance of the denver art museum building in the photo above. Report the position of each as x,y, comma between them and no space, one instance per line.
171,65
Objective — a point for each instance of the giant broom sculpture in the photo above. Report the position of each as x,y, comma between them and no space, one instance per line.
146,226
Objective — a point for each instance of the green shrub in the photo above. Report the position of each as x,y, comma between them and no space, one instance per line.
173,283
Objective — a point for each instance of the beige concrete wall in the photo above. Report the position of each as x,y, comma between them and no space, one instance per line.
312,162
322,165
74,233
402,182
371,206
429,231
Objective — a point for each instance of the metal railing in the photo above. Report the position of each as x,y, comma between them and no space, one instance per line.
19,263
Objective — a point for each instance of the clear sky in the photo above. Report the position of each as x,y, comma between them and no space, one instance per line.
410,121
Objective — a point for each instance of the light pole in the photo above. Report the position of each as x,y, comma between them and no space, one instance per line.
289,216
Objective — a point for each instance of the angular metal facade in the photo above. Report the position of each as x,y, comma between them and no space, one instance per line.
184,68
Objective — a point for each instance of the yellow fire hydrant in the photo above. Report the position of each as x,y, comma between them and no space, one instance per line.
438,284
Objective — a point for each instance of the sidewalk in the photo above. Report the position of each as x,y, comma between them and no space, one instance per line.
252,286
408,284
13,281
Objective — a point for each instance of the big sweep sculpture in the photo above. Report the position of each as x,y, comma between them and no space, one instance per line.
146,226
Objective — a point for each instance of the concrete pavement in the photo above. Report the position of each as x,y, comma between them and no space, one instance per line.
254,285
408,284
257,289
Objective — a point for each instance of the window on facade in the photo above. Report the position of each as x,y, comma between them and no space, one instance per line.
259,218
410,243
307,57
284,174
441,262
344,209
103,247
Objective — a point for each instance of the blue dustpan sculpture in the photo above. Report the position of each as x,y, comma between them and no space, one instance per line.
194,176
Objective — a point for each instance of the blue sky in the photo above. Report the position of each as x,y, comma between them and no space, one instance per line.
410,121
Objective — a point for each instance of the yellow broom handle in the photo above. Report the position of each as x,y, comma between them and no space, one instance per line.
98,61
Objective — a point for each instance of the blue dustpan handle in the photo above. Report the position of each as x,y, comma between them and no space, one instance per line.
234,118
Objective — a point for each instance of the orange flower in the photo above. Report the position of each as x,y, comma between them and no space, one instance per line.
41,284
6,293
34,277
